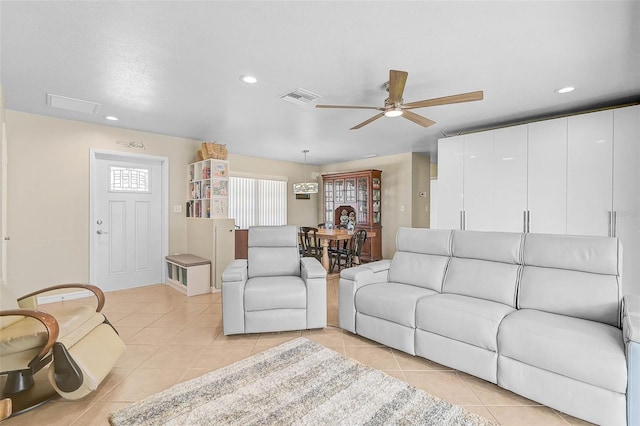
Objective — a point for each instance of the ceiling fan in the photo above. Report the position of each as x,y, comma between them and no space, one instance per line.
394,105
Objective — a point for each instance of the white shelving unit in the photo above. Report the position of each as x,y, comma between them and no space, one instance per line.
208,189
189,274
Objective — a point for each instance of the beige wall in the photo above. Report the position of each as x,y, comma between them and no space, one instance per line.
398,194
48,205
421,182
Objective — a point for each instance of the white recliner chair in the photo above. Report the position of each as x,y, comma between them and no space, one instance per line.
274,289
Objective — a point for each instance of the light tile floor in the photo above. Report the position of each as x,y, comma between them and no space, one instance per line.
172,338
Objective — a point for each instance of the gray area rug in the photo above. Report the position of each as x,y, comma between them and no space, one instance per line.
297,383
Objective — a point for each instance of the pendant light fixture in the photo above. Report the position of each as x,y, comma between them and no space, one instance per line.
305,187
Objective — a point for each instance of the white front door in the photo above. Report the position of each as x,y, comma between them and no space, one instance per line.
126,222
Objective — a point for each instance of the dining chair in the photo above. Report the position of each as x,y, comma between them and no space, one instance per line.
349,255
309,242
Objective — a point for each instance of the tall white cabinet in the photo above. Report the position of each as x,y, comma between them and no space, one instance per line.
590,173
626,191
547,176
450,183
576,175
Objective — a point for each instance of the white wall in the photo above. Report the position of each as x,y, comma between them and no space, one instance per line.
48,188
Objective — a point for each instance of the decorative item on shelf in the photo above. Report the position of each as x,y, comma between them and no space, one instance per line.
305,187
213,150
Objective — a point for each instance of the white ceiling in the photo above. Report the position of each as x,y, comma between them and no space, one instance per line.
173,67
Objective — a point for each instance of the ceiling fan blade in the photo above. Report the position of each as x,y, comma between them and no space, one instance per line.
453,99
418,119
364,123
397,81
348,106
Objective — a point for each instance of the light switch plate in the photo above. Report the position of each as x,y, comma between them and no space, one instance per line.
177,208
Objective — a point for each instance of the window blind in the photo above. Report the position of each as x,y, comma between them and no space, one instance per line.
257,202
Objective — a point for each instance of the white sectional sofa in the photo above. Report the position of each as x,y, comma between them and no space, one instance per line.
540,315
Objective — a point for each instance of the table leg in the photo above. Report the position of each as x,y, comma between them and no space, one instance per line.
325,253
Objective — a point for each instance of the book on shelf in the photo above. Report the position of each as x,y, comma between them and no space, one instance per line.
219,207
220,169
219,187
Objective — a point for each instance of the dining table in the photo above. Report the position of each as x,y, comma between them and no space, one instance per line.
327,235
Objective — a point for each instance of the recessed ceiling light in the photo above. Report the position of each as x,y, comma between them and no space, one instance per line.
566,89
111,117
249,79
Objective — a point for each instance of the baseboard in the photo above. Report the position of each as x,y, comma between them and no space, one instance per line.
43,300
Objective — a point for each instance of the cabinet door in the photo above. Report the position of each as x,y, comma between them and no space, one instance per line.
478,181
450,167
225,241
350,190
338,189
589,173
547,176
509,178
362,210
626,193
328,201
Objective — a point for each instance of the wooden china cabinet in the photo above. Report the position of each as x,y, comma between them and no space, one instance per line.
356,197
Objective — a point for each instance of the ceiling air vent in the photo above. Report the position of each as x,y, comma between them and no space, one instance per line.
300,96
71,104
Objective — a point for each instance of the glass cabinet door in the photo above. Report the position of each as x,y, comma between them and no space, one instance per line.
328,201
375,195
339,191
350,190
363,199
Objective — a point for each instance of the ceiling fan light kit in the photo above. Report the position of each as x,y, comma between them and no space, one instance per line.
395,106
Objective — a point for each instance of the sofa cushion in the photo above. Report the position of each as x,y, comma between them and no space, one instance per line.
577,294
485,265
287,292
466,319
416,269
393,302
273,251
424,241
577,276
504,247
494,281
597,255
587,351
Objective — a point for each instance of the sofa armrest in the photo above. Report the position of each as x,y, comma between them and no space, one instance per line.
631,318
312,268
352,279
631,334
234,278
315,278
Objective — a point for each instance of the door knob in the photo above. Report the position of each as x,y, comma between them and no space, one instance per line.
100,232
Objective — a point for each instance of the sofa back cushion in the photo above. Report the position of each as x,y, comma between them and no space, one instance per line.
421,257
273,251
578,276
485,265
